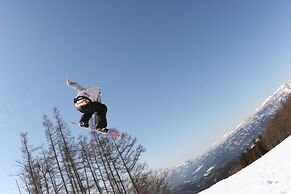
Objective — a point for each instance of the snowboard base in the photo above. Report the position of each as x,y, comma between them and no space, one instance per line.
110,132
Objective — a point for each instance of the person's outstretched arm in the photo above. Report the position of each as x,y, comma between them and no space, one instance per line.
74,85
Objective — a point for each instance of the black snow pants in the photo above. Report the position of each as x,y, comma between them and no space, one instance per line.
94,107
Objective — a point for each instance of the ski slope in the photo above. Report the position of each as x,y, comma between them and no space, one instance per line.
195,172
270,174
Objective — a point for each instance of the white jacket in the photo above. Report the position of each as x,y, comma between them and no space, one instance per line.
91,92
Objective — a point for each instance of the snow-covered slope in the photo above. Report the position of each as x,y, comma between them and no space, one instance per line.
203,171
270,174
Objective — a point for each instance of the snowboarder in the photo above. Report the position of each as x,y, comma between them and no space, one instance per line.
88,102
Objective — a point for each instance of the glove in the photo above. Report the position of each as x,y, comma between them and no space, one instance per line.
68,81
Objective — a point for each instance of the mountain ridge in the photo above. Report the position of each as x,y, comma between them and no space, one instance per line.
269,174
206,169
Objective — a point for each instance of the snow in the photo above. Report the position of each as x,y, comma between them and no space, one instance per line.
270,174
226,135
231,144
263,104
209,170
199,168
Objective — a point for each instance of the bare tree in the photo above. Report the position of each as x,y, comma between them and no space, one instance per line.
90,166
28,166
52,146
129,154
49,169
105,152
18,187
67,151
93,164
156,181
99,162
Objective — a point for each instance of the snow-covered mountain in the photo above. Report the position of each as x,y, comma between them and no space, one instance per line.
270,174
200,173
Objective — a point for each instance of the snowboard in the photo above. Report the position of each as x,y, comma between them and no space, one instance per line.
110,132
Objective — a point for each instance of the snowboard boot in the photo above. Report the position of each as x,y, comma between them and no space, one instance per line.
83,124
102,130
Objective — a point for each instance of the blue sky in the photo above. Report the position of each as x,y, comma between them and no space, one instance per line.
175,74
